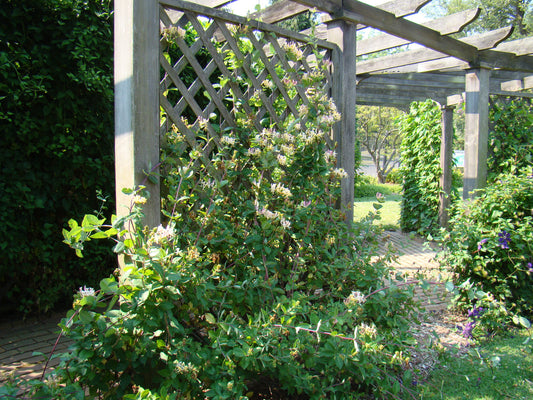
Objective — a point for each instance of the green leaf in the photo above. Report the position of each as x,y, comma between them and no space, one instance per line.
524,322
210,318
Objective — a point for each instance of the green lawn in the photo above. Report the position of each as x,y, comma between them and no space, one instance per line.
501,369
389,213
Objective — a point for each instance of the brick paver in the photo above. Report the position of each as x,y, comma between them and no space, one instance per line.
417,257
21,339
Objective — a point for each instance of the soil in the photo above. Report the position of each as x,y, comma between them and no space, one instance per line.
439,331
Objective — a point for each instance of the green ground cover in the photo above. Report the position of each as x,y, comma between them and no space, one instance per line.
499,369
390,210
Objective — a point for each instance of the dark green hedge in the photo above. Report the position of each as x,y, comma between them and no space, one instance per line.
56,145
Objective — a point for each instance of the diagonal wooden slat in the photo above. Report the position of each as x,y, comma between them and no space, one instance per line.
220,63
256,84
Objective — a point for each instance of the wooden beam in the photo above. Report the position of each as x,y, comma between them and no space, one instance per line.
358,12
136,59
343,34
405,90
513,56
519,47
398,8
279,11
476,130
445,26
236,19
446,163
175,15
517,84
482,41
395,97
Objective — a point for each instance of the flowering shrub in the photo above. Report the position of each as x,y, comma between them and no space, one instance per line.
254,284
489,248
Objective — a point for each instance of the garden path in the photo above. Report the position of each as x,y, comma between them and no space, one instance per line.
19,340
415,256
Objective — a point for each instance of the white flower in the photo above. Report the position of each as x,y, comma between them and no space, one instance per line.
162,233
282,160
228,140
367,330
137,199
279,189
339,173
268,84
268,214
355,297
203,122
253,151
86,291
285,224
330,156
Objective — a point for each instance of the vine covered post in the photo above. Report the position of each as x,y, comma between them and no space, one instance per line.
446,159
137,103
343,34
476,130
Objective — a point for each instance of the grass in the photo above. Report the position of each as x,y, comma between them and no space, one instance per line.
500,369
366,198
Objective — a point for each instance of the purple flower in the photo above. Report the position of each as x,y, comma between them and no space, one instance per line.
530,267
468,328
475,312
481,243
504,238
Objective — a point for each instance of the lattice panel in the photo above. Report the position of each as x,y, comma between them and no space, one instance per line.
215,68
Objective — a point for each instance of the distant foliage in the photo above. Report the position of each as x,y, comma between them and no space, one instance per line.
511,136
56,146
420,168
394,176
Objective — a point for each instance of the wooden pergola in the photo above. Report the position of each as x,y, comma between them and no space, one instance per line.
447,70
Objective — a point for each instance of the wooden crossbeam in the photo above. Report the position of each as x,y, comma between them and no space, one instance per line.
483,41
507,51
175,15
358,12
235,19
279,11
399,9
446,25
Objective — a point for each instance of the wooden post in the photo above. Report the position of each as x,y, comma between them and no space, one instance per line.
343,34
476,130
446,161
137,102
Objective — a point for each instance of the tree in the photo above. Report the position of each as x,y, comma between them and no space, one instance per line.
495,14
378,133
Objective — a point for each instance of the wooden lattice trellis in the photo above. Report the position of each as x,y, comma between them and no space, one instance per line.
229,67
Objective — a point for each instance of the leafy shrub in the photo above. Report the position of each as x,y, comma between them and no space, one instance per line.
490,245
420,168
254,285
511,137
370,190
56,118
394,176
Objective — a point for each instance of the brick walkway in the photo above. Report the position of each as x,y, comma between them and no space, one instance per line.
19,340
416,257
